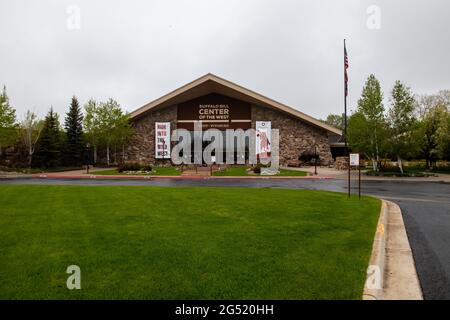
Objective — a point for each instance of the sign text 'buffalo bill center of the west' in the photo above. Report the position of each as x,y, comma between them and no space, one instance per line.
221,104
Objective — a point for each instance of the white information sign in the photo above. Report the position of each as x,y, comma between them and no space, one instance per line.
162,140
354,159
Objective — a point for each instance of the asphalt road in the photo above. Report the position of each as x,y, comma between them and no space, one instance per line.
425,207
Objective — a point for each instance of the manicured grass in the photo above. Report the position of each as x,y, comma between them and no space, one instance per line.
242,171
236,171
183,243
157,171
292,173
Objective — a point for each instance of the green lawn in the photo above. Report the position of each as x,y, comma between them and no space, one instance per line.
157,171
183,243
242,171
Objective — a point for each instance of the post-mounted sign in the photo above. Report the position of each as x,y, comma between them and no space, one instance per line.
354,159
354,162
162,140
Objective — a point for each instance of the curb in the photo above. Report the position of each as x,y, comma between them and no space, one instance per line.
119,177
391,274
373,288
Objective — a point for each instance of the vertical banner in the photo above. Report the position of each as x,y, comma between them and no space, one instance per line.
263,139
162,140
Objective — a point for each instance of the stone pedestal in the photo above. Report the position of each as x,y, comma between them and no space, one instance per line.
341,163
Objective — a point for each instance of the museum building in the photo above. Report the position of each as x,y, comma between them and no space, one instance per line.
221,104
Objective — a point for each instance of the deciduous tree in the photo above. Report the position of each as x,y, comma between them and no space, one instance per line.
30,128
367,127
92,125
401,122
8,126
335,120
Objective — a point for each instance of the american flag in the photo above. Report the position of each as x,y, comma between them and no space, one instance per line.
345,70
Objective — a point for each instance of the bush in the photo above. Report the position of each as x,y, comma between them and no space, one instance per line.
309,157
134,166
146,167
257,168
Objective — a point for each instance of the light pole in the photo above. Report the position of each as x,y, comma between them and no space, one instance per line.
87,157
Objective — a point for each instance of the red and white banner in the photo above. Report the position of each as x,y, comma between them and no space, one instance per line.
162,140
263,139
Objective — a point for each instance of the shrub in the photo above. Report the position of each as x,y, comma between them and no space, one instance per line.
146,167
309,157
257,168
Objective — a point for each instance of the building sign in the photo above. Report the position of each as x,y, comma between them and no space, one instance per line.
263,139
354,159
162,140
214,111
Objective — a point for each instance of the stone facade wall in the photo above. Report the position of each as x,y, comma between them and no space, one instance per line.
296,136
142,146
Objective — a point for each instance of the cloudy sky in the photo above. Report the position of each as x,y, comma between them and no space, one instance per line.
289,50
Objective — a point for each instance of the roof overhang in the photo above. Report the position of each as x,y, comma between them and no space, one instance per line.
211,83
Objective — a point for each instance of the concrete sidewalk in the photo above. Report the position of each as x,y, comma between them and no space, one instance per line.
323,173
343,175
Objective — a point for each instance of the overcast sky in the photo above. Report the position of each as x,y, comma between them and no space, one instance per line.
136,51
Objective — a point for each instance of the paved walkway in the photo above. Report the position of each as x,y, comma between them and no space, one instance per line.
343,175
204,172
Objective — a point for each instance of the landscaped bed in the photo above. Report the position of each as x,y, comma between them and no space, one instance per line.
183,243
244,171
156,171
174,171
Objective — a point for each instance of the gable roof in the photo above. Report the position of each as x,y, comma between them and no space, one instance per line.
211,83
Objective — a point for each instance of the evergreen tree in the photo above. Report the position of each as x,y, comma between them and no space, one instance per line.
74,145
48,149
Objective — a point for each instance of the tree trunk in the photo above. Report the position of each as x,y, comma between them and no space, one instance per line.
107,154
123,153
115,155
376,148
374,164
95,154
400,165
30,155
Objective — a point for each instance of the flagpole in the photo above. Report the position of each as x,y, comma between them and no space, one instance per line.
345,115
